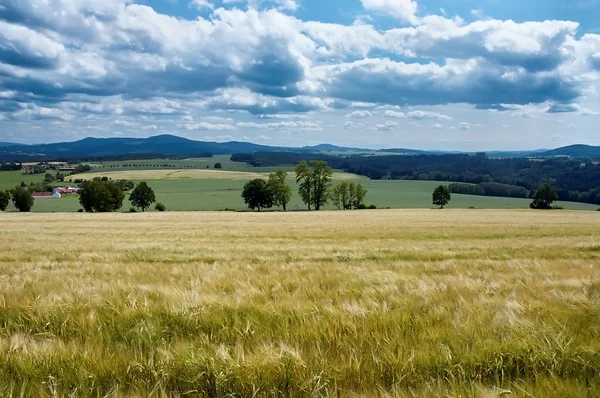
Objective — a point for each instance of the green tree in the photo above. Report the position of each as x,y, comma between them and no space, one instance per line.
49,178
22,199
543,197
4,200
358,199
321,181
304,180
441,196
348,195
218,166
142,196
257,194
282,193
101,196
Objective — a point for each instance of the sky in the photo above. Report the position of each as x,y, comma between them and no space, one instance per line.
423,74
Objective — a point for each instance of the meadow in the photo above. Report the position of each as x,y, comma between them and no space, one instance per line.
389,303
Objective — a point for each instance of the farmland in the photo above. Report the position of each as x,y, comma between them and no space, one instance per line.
190,189
364,303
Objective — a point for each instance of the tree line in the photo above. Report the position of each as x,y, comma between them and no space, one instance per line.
99,195
576,180
314,179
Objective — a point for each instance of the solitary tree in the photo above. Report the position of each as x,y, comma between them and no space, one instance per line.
218,166
4,200
142,196
282,193
441,196
101,196
543,197
22,199
257,194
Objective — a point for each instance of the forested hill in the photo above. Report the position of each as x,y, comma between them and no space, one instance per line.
575,180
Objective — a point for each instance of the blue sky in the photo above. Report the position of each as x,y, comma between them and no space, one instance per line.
428,74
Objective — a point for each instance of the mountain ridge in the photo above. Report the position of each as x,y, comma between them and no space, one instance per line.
172,145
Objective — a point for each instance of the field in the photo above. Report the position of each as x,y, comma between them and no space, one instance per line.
209,189
387,303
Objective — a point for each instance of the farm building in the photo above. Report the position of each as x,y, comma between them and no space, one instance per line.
66,190
46,195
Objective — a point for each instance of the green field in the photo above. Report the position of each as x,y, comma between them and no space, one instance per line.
191,189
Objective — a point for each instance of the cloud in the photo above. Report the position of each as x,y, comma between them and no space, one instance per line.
359,114
73,61
403,10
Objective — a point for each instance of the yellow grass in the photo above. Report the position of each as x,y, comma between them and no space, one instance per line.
374,303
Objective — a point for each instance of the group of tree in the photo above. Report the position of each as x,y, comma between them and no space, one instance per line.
574,179
12,166
348,195
101,196
314,187
314,179
260,194
22,199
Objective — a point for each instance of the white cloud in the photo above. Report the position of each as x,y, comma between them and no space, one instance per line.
359,114
403,10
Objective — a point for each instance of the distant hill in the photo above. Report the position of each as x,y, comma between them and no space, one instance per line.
168,145
574,151
333,148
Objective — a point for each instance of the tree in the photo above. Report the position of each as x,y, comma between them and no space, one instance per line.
160,207
101,196
348,195
358,200
218,166
22,199
304,180
142,196
314,180
49,178
321,180
441,196
257,194
4,200
543,197
282,193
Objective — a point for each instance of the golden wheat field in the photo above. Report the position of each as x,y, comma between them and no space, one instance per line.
392,303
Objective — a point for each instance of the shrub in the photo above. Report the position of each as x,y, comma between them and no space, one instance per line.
160,207
557,207
80,211
132,210
372,207
218,166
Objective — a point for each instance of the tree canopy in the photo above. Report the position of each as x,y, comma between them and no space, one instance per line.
348,195
441,196
22,199
314,180
282,193
142,196
257,194
101,196
543,197
4,200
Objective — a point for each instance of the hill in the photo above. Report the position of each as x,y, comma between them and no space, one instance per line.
574,151
168,145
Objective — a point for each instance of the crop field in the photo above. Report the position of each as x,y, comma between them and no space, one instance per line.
390,303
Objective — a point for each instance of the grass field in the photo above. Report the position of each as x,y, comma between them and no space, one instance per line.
390,303
209,189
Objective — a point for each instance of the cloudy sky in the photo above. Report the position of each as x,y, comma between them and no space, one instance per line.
430,74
